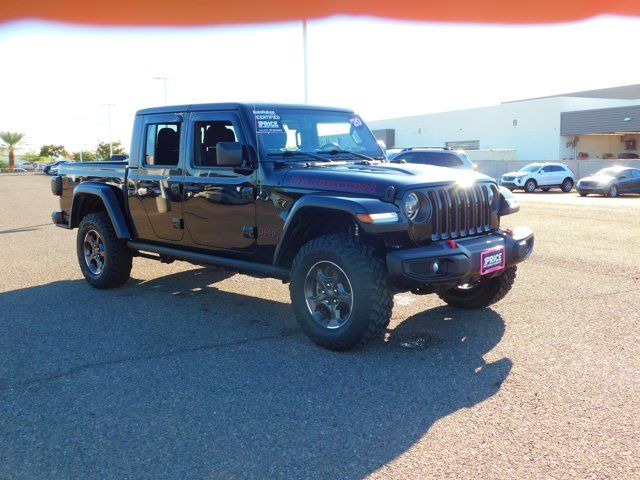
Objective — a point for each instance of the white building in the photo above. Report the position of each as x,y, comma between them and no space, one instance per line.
589,124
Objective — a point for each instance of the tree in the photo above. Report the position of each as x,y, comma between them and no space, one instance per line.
33,157
87,156
53,151
103,149
11,141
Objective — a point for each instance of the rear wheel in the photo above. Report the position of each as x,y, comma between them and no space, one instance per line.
482,293
567,185
613,191
582,194
530,185
105,260
340,292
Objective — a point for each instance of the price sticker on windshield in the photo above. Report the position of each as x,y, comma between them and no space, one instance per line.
268,121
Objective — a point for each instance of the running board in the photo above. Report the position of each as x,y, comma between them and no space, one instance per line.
231,263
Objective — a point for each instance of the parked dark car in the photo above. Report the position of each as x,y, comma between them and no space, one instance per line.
438,156
628,156
303,194
611,181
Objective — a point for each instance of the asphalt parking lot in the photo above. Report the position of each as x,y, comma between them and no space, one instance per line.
189,372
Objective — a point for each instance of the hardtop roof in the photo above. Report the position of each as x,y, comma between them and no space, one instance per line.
200,107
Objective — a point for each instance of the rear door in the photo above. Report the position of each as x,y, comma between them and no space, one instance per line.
625,181
635,176
155,186
219,201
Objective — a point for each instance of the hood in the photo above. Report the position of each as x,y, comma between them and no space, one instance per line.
374,179
599,178
516,174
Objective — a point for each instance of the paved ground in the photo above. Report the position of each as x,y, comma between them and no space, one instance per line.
191,373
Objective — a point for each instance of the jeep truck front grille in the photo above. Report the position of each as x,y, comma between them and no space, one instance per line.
461,212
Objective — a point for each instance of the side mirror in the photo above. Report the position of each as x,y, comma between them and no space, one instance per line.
229,154
622,177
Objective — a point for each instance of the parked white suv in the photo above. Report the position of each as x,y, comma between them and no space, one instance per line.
540,175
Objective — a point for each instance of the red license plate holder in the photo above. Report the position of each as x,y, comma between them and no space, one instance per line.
492,260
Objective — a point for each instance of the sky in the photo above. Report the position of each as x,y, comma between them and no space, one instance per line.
56,79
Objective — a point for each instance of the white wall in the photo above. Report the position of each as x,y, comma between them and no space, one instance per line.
535,137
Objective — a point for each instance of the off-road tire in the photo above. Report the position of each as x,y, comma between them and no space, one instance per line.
371,290
567,185
530,185
546,189
118,258
613,191
487,292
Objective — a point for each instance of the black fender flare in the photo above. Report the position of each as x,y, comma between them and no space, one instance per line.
106,193
351,205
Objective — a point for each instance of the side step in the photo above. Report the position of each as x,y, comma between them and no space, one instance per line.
231,263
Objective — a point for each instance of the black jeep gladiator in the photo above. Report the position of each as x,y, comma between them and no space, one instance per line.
303,194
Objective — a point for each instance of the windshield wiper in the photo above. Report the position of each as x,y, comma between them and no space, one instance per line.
291,153
337,151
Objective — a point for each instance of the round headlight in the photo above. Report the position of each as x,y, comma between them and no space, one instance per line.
411,206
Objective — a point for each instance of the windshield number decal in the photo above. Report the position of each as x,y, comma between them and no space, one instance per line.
356,121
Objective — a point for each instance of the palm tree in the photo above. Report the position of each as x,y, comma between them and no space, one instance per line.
11,140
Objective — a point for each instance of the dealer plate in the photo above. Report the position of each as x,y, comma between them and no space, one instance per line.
491,260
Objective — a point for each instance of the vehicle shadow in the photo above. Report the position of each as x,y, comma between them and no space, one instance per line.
182,378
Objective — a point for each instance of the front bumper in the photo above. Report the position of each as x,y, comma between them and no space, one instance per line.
599,189
457,265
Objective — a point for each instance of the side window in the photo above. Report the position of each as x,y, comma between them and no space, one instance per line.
545,169
557,168
635,173
207,136
163,144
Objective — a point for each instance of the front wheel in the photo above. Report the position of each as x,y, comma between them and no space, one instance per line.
530,186
567,185
613,191
104,259
340,292
482,293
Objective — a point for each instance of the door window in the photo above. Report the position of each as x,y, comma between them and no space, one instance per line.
207,136
162,146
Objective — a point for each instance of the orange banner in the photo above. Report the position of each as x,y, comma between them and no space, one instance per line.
210,12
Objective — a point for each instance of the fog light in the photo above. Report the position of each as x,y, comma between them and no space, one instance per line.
436,267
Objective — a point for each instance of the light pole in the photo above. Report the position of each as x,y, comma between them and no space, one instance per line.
109,105
304,60
79,120
164,81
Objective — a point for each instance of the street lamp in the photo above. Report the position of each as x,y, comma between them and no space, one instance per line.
164,81
109,105
79,120
304,60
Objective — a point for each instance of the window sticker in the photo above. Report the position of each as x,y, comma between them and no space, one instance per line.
268,121
356,121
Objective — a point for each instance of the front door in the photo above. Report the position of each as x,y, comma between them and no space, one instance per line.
155,185
547,176
218,201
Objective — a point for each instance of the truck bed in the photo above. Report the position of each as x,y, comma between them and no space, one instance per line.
95,169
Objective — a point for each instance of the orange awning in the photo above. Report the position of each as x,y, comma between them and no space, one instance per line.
209,12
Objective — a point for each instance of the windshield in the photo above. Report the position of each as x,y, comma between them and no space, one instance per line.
282,130
530,168
609,172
